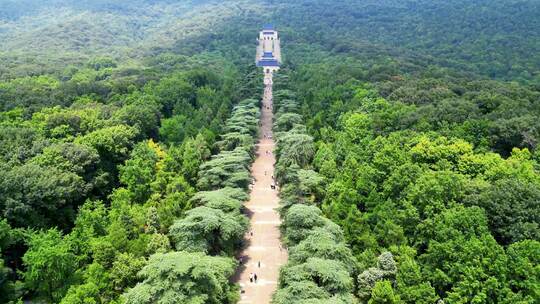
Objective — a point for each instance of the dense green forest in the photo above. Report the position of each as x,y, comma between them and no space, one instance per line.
425,213
407,136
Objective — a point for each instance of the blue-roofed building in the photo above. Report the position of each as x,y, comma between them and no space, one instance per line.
268,50
268,63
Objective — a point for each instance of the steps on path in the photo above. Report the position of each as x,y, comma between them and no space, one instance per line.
264,245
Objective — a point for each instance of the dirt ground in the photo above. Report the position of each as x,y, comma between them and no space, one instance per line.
263,254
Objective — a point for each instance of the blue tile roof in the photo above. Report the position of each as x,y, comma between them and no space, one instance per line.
268,27
268,55
268,63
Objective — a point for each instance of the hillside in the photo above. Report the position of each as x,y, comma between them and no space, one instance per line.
406,150
478,37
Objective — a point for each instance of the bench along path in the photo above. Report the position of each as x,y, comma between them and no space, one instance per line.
264,245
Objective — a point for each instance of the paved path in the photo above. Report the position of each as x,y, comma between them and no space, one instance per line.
264,245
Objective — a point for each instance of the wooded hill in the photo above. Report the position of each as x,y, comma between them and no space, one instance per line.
407,137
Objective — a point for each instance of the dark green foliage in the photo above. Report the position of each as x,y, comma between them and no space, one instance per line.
395,180
40,196
511,207
58,160
420,139
144,114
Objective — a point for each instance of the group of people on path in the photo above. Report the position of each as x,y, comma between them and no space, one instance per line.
253,278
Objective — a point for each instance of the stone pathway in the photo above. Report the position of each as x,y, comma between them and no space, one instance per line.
263,254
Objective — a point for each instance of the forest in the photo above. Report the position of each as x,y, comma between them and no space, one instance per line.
407,152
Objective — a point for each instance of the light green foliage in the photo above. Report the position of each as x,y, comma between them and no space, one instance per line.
298,291
294,148
524,269
406,126
434,151
49,265
286,122
195,151
79,119
209,230
332,276
325,160
226,199
230,168
140,170
434,191
322,244
227,169
383,293
182,277
241,127
171,197
124,270
97,288
72,157
158,243
309,293
357,127
321,266
92,222
300,220
459,235
152,221
411,286
310,185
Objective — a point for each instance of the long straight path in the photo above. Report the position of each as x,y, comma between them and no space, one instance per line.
263,254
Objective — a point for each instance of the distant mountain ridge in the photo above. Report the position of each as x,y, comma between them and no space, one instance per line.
497,39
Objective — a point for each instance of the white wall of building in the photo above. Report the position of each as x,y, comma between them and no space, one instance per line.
269,43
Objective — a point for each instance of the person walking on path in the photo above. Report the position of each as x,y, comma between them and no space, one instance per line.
255,277
251,278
